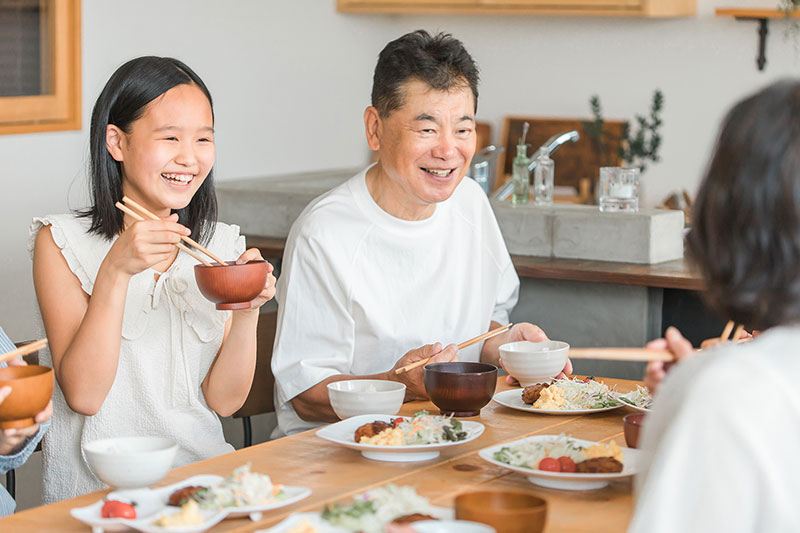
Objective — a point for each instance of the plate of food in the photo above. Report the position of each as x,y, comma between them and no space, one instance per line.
570,396
638,400
383,509
401,438
192,505
561,462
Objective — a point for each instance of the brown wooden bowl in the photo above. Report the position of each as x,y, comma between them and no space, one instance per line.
460,388
31,389
232,286
508,511
632,425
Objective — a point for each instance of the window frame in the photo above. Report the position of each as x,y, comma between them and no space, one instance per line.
60,110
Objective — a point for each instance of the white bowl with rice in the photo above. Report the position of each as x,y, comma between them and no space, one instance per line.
534,362
130,462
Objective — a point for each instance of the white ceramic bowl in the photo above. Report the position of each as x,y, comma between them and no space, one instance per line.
130,462
366,396
534,362
450,526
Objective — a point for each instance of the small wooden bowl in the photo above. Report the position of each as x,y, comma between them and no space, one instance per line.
460,388
508,511
632,425
31,389
231,286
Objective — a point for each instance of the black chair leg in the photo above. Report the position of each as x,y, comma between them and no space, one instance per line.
11,483
248,431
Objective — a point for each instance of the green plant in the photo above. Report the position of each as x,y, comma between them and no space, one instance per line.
634,148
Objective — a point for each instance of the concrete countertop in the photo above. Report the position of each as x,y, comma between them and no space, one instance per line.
268,206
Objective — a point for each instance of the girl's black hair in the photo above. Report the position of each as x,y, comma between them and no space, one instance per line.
746,235
123,100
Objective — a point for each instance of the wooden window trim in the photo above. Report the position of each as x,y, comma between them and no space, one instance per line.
60,110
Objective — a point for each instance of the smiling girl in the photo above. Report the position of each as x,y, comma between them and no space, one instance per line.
135,347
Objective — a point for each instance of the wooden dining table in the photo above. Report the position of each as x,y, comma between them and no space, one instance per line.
335,473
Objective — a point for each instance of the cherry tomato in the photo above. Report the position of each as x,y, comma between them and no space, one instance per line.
117,509
397,421
566,464
550,464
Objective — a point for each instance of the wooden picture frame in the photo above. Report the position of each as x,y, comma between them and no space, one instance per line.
61,109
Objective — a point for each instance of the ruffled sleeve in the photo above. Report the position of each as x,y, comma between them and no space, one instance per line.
70,234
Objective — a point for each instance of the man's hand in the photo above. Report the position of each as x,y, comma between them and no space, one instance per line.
657,370
525,331
413,379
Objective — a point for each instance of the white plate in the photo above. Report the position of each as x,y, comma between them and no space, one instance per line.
152,503
323,526
513,399
631,406
565,480
343,433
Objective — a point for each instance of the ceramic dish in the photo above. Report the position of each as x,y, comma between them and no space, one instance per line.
631,406
513,399
152,503
322,526
342,433
565,480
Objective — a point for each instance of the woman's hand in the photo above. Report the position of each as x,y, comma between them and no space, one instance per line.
145,243
269,287
12,439
525,331
657,370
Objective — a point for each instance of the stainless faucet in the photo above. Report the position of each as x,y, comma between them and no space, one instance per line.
549,147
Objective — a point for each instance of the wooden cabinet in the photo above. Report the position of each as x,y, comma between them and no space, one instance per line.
635,8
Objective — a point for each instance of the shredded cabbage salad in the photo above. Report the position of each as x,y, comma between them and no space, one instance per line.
527,454
424,428
585,394
243,488
373,510
640,397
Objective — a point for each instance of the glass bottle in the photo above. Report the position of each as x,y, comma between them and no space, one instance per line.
520,176
543,178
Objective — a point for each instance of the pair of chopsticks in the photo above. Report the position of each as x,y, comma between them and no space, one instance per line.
124,207
479,338
23,350
726,333
643,355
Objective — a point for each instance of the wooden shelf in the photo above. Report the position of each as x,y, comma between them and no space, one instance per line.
762,16
748,14
614,8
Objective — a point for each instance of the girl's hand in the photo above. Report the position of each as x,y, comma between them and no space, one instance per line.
657,370
145,243
269,287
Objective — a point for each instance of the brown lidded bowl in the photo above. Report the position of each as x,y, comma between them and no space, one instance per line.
31,389
508,511
633,424
460,388
231,286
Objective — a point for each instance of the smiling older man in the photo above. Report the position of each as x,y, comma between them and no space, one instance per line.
403,254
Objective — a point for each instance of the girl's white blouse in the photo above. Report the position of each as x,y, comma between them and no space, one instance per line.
170,336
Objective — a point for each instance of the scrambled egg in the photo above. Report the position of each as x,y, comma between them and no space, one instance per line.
604,450
551,398
303,527
189,515
387,437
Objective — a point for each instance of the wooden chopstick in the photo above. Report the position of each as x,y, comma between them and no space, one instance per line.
24,350
726,332
126,209
151,216
621,354
479,338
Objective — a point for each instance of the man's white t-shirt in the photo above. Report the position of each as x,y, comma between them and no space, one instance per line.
359,288
723,442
